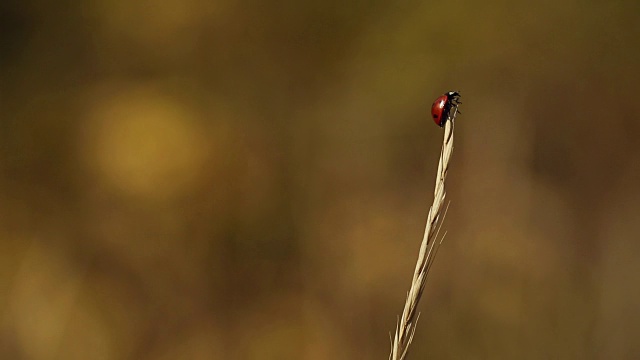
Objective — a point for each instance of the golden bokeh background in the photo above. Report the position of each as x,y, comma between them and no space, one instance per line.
249,180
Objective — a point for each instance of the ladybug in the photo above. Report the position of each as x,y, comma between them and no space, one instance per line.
442,106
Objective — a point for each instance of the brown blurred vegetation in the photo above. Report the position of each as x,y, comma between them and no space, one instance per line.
249,180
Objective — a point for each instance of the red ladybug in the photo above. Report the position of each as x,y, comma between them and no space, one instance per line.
442,106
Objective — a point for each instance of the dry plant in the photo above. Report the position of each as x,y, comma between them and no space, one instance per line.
406,327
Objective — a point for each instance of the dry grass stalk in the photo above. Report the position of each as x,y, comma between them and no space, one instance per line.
406,326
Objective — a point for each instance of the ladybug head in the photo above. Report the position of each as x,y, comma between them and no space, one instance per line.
453,97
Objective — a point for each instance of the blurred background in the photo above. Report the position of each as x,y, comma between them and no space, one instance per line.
250,180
